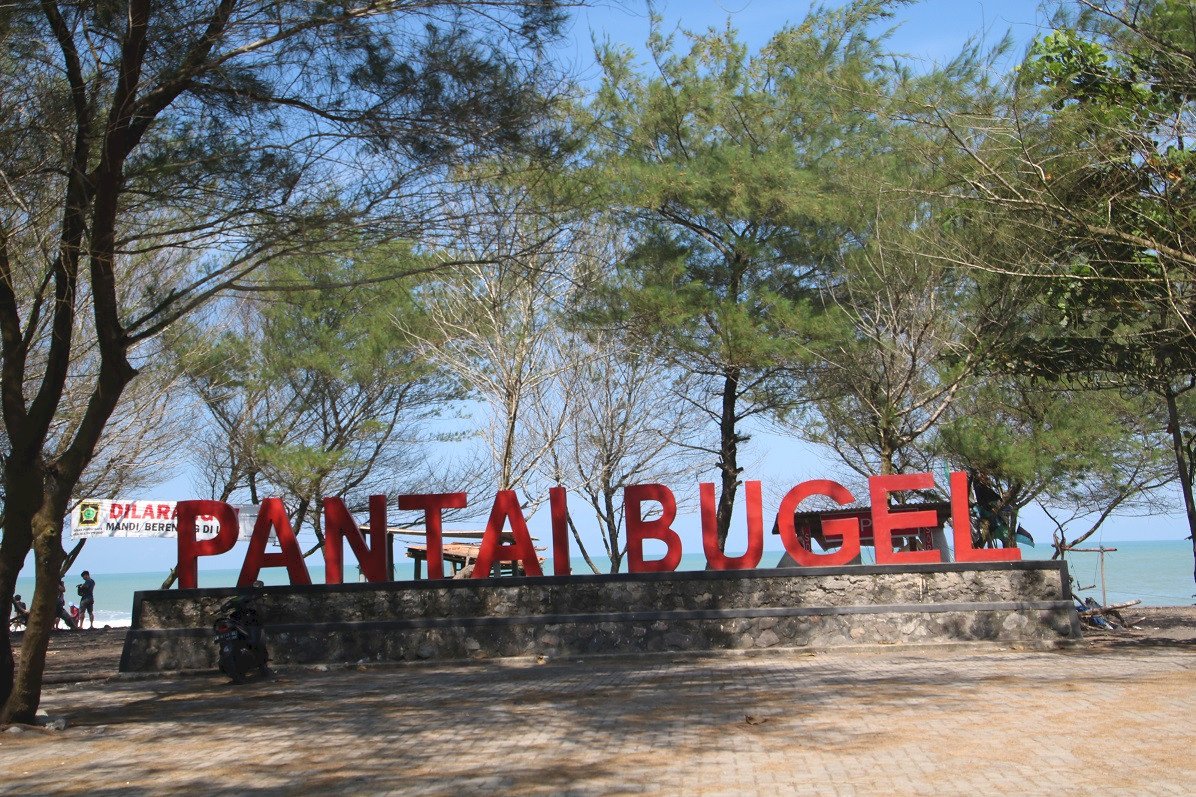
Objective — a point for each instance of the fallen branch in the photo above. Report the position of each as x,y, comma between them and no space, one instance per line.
1110,608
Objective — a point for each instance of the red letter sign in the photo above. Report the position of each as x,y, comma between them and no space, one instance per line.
638,529
272,514
506,508
191,549
847,528
885,521
338,525
961,524
755,530
560,531
433,504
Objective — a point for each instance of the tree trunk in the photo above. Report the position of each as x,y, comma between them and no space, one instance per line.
581,546
728,455
45,500
1181,462
35,511
300,515
1011,542
14,549
72,556
315,527
22,702
611,519
506,466
886,459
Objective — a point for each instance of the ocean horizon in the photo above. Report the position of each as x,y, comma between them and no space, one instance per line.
1157,572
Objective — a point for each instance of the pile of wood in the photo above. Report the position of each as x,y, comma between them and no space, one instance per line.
1107,618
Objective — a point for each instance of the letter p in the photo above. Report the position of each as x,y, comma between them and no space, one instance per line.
190,549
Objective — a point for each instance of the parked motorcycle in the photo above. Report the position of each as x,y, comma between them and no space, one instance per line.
242,643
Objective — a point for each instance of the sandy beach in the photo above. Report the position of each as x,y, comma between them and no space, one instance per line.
1110,715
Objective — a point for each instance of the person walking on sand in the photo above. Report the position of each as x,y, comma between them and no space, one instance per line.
87,599
62,612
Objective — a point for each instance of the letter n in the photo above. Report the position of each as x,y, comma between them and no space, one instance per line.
339,525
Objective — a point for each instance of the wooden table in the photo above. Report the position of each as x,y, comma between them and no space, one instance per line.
457,554
460,555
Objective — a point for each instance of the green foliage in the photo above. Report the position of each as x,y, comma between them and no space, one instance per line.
1036,439
742,177
919,329
348,328
1081,71
320,391
1097,164
1118,168
1084,452
244,130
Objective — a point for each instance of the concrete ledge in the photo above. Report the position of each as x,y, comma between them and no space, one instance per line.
618,614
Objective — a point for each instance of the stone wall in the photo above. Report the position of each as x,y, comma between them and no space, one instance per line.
765,608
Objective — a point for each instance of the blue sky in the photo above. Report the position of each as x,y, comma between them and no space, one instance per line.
931,31
928,32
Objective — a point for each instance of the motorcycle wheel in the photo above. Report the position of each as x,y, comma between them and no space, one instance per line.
236,662
263,663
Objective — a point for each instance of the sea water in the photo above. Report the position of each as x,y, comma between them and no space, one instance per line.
1159,573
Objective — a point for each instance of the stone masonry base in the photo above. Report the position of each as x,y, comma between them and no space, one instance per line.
617,614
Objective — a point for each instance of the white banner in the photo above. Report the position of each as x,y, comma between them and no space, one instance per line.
98,517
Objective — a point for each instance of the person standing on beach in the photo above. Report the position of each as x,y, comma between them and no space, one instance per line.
62,612
87,599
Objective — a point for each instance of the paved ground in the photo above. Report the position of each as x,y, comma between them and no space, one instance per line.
80,655
1106,717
